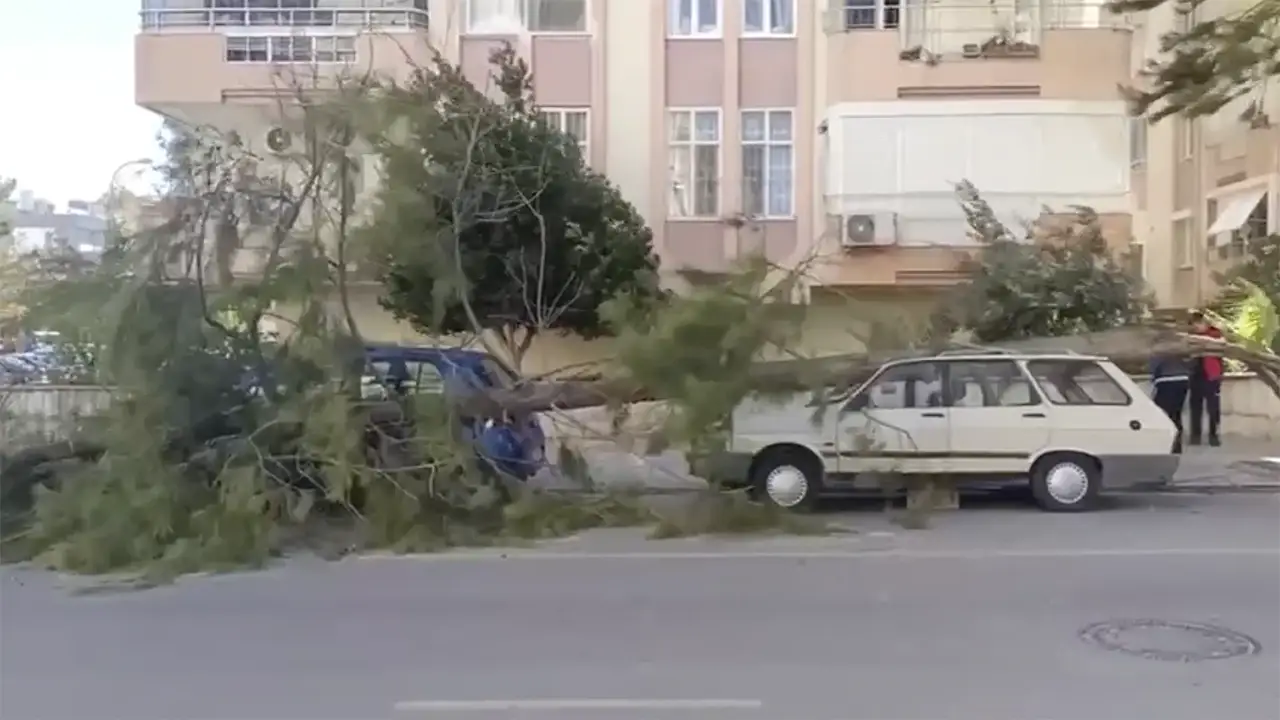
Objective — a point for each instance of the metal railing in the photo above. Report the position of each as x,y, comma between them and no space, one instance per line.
219,18
944,27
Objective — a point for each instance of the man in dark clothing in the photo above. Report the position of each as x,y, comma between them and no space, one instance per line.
1206,385
1169,379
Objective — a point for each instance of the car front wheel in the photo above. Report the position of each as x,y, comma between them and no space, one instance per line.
789,479
1066,482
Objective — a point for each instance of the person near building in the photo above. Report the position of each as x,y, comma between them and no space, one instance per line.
1169,380
1205,387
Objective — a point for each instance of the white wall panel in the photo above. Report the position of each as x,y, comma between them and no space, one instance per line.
906,157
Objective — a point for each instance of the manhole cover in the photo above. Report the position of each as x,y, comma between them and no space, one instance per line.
1171,641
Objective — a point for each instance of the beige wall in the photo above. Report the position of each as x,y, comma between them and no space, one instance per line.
837,321
1074,64
1188,163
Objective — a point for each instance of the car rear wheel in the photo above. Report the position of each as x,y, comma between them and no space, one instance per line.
789,479
1066,482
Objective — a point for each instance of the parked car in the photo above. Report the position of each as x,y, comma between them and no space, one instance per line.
18,370
515,445
1069,425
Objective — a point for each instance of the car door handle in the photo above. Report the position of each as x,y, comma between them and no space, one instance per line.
1033,415
932,414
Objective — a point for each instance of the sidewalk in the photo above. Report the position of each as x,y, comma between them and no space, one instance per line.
1240,464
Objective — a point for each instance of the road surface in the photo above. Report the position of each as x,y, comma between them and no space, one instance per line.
979,618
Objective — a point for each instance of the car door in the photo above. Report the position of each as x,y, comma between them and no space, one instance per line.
1093,413
999,421
897,422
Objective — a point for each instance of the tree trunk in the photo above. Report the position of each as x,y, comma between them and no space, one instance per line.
1129,347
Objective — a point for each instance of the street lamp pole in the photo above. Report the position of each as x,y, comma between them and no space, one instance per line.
113,189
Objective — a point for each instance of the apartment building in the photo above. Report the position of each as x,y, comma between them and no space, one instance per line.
829,131
1200,187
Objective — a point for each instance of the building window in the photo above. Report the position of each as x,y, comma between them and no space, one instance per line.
693,18
1137,142
769,17
872,14
291,48
768,163
1183,252
1135,261
1184,20
1187,133
693,138
538,16
570,122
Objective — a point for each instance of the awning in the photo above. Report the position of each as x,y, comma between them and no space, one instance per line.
1236,212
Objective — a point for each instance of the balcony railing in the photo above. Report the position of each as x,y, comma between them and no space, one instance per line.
971,28
218,18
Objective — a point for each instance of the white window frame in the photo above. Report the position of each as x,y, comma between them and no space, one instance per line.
522,20
673,25
558,118
768,143
1188,138
878,9
692,144
1188,259
344,48
1138,142
768,19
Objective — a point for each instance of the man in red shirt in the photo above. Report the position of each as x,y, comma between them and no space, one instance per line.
1206,385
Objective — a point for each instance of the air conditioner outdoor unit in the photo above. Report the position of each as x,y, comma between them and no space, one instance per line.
278,140
869,230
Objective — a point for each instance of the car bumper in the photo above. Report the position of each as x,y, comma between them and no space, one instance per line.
1131,472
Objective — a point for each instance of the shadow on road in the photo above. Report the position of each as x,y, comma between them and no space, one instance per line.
1014,500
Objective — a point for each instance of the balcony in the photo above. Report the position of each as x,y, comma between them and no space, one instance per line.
959,48
214,15
208,61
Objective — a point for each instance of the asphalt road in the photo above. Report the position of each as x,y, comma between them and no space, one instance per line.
978,618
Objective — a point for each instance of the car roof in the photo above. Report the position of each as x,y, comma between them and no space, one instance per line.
464,357
423,350
978,356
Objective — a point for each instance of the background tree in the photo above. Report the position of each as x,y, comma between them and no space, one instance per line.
1058,279
13,276
1260,266
505,228
1212,63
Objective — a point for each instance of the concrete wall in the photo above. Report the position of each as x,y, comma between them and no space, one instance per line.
1249,408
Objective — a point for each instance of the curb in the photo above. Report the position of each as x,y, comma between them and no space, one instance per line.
1217,488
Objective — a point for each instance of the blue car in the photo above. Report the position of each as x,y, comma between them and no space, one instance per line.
515,445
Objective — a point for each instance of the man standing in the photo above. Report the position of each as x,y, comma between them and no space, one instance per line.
1206,385
1169,379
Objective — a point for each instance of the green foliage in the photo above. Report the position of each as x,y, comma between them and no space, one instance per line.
1248,315
1059,279
504,227
1214,62
1257,272
224,449
698,350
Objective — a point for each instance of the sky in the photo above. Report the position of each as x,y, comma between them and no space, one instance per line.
68,119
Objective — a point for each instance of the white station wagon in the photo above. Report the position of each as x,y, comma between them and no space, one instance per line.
1069,424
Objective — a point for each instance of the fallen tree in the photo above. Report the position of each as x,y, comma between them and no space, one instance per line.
1129,347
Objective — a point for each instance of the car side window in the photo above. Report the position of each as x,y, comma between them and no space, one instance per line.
409,376
990,383
909,385
1077,382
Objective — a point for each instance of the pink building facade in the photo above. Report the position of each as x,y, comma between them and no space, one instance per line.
829,128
